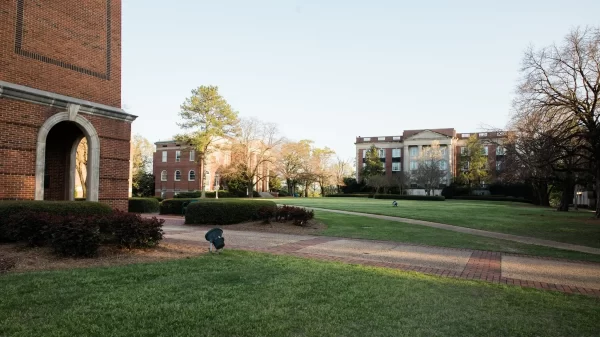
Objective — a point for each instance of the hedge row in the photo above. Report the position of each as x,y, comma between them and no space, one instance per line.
173,206
75,228
349,195
143,205
492,198
223,212
212,194
409,197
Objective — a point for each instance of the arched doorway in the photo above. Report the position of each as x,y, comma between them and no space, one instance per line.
56,158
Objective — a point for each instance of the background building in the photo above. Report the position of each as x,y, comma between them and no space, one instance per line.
176,169
400,153
60,82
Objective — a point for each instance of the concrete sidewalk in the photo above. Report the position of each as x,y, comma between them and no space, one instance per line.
527,271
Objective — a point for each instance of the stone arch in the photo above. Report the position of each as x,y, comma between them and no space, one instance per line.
93,164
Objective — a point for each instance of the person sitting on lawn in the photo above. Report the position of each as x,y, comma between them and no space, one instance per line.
395,204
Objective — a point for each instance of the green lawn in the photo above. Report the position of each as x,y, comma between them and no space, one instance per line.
505,217
354,226
250,294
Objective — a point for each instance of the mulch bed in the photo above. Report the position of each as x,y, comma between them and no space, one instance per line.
21,258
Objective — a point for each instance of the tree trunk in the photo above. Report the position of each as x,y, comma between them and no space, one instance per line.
597,190
566,195
289,186
250,188
322,189
202,178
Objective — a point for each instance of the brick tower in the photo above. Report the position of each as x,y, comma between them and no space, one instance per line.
60,81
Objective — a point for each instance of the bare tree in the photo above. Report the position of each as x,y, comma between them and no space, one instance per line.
342,168
431,169
253,150
400,180
289,161
377,181
321,162
563,84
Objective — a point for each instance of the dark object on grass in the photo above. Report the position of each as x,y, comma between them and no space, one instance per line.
395,203
215,238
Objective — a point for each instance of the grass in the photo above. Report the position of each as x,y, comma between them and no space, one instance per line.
504,217
250,294
360,227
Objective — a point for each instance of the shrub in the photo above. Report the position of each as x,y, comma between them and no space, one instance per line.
62,208
76,237
283,193
173,206
223,212
159,199
409,197
298,215
212,194
492,198
31,227
349,195
452,191
265,213
130,230
143,205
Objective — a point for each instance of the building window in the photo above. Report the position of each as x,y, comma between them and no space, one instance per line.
465,135
443,150
163,176
483,134
465,166
414,151
381,138
366,139
177,156
177,175
396,138
164,156
395,153
381,153
192,175
464,151
395,166
364,153
500,151
192,155
414,165
498,165
443,165
484,150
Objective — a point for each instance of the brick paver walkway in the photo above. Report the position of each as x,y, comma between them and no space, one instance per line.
533,272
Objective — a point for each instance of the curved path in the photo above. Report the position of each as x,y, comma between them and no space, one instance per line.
495,235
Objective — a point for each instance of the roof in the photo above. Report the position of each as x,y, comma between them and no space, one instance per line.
446,132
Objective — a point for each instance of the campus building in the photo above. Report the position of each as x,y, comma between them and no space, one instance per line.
176,169
60,82
400,153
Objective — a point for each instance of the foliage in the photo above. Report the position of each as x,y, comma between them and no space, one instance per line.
373,164
143,205
210,117
75,208
224,212
299,215
76,237
453,190
266,213
173,206
474,163
130,230
491,198
143,184
141,155
377,182
352,186
431,170
283,193
274,183
29,226
349,195
409,197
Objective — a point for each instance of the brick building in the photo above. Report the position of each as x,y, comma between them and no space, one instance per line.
176,169
400,153
60,81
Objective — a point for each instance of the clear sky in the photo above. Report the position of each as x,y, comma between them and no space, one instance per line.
334,70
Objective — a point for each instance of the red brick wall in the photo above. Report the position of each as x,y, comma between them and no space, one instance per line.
185,165
63,47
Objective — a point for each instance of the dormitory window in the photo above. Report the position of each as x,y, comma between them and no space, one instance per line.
192,176
192,155
366,139
164,156
443,165
484,150
414,151
414,165
463,151
177,175
163,176
395,166
500,151
381,153
396,153
177,156
443,150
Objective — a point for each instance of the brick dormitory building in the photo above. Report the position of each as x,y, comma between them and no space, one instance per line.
176,169
400,153
60,81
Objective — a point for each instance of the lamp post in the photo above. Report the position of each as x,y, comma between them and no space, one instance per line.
217,186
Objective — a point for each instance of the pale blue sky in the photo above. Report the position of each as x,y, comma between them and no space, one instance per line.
333,70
